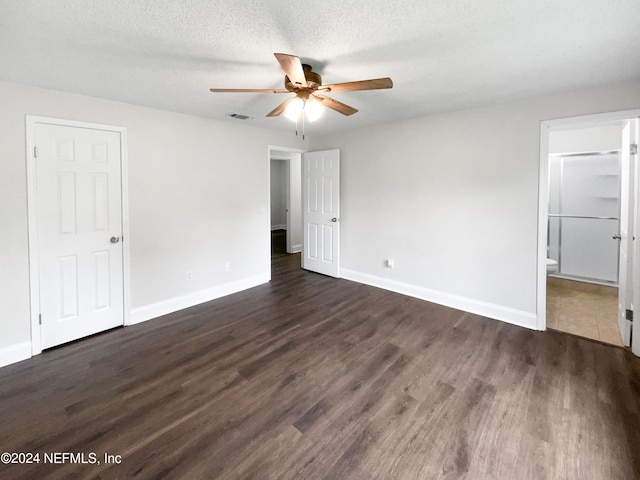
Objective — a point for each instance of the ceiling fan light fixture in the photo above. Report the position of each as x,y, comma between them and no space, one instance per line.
294,109
311,109
310,94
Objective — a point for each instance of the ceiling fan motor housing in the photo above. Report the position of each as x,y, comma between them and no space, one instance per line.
313,79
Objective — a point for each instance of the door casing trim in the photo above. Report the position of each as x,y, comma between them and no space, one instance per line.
270,149
32,218
546,126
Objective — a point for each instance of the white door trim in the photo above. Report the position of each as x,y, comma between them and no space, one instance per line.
543,193
32,218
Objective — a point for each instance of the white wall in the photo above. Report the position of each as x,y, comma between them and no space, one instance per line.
198,197
295,195
279,185
601,138
453,199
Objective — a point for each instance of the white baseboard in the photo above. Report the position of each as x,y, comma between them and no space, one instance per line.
296,248
278,227
15,353
490,310
148,312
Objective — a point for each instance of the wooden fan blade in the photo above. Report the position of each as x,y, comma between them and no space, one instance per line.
336,105
374,84
279,110
293,68
249,90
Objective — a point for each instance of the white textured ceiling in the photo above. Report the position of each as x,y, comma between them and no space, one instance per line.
442,55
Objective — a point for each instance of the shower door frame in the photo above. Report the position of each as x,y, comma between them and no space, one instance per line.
559,274
546,126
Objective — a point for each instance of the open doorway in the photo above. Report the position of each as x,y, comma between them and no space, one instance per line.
584,223
285,200
587,215
280,230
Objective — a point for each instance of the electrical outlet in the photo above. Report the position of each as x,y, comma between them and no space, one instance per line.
189,275
390,263
227,267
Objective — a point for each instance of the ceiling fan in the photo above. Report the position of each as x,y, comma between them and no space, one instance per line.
307,85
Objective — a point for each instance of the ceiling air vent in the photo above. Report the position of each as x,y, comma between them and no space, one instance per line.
238,116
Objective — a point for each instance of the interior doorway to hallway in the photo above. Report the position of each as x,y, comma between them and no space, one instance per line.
285,201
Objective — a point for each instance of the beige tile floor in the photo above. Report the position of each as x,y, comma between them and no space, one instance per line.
583,309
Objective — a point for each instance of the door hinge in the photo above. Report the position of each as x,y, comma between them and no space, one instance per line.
35,152
633,149
628,315
40,318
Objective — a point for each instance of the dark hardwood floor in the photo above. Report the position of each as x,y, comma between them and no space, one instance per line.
311,377
278,243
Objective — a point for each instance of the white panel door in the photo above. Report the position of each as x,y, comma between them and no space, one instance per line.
321,212
79,222
634,276
625,236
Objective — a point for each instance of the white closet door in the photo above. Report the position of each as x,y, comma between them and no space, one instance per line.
79,222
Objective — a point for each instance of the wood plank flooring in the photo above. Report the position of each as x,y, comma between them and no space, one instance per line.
311,377
278,243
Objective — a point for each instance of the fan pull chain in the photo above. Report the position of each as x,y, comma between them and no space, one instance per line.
304,106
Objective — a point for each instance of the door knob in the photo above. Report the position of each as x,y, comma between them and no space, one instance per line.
115,239
615,236
334,219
